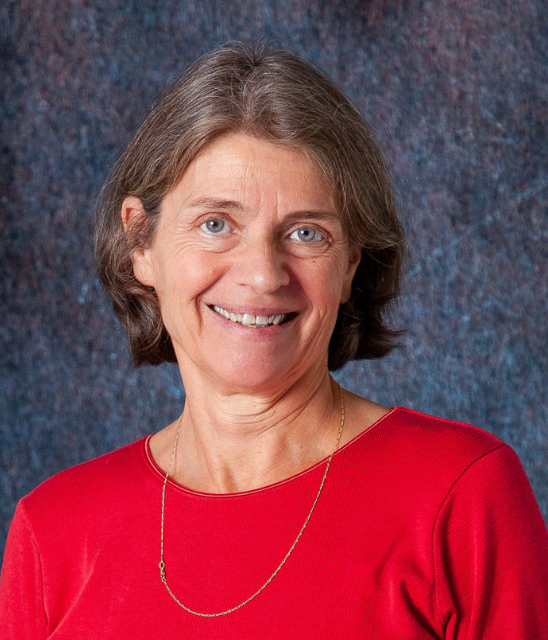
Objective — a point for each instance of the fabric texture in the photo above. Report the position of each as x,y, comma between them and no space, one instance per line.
425,529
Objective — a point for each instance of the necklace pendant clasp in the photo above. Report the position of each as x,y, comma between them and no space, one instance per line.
162,566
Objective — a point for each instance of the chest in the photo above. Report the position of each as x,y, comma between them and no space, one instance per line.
358,570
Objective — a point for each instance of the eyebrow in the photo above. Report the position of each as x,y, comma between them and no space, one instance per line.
231,205
314,214
216,203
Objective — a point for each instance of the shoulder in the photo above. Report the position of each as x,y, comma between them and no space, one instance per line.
413,436
432,475
88,482
407,436
439,442
411,456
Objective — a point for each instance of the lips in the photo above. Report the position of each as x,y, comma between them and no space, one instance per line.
251,319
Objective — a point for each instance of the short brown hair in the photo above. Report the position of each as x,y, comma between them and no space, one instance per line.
276,96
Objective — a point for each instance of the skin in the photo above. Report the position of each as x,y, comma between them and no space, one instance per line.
251,227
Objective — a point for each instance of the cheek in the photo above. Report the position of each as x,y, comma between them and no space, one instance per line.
186,275
324,286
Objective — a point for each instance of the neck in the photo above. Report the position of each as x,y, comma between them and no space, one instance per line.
239,442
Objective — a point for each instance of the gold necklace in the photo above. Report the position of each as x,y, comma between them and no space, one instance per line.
162,563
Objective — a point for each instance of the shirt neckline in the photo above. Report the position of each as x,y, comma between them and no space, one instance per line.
160,474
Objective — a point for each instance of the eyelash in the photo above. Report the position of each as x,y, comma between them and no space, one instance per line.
227,228
204,227
317,232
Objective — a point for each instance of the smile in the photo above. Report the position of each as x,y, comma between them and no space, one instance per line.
250,319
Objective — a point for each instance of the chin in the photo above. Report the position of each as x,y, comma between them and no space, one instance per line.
254,379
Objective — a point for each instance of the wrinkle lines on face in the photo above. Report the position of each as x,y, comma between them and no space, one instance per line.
258,194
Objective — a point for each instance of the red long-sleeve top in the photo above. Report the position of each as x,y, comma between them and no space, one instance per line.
425,528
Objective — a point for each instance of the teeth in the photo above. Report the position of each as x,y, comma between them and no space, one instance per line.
249,319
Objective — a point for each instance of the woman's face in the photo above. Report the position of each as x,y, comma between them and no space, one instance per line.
250,263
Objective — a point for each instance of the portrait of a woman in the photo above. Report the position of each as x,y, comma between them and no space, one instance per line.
249,234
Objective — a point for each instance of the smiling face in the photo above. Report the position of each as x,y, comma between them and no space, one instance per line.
250,262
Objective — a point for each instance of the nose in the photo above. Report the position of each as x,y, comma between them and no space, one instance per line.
262,266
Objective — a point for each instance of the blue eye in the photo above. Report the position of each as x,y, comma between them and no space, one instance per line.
307,234
215,226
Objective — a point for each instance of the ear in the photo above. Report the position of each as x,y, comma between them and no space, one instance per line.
132,212
354,257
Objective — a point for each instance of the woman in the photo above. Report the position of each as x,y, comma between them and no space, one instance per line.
248,233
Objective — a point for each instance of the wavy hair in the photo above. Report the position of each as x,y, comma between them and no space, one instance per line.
274,95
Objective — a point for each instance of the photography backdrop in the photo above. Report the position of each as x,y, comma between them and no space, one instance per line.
458,93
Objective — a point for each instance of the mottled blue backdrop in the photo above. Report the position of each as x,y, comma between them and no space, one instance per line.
458,92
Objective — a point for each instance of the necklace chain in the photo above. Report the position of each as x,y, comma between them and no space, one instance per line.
162,564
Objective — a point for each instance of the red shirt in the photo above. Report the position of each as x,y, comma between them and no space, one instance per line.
425,528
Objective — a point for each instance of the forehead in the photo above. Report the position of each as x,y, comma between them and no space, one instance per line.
238,162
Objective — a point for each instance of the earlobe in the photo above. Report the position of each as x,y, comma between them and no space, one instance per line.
132,211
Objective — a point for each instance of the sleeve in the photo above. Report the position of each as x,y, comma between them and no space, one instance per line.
490,551
22,614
